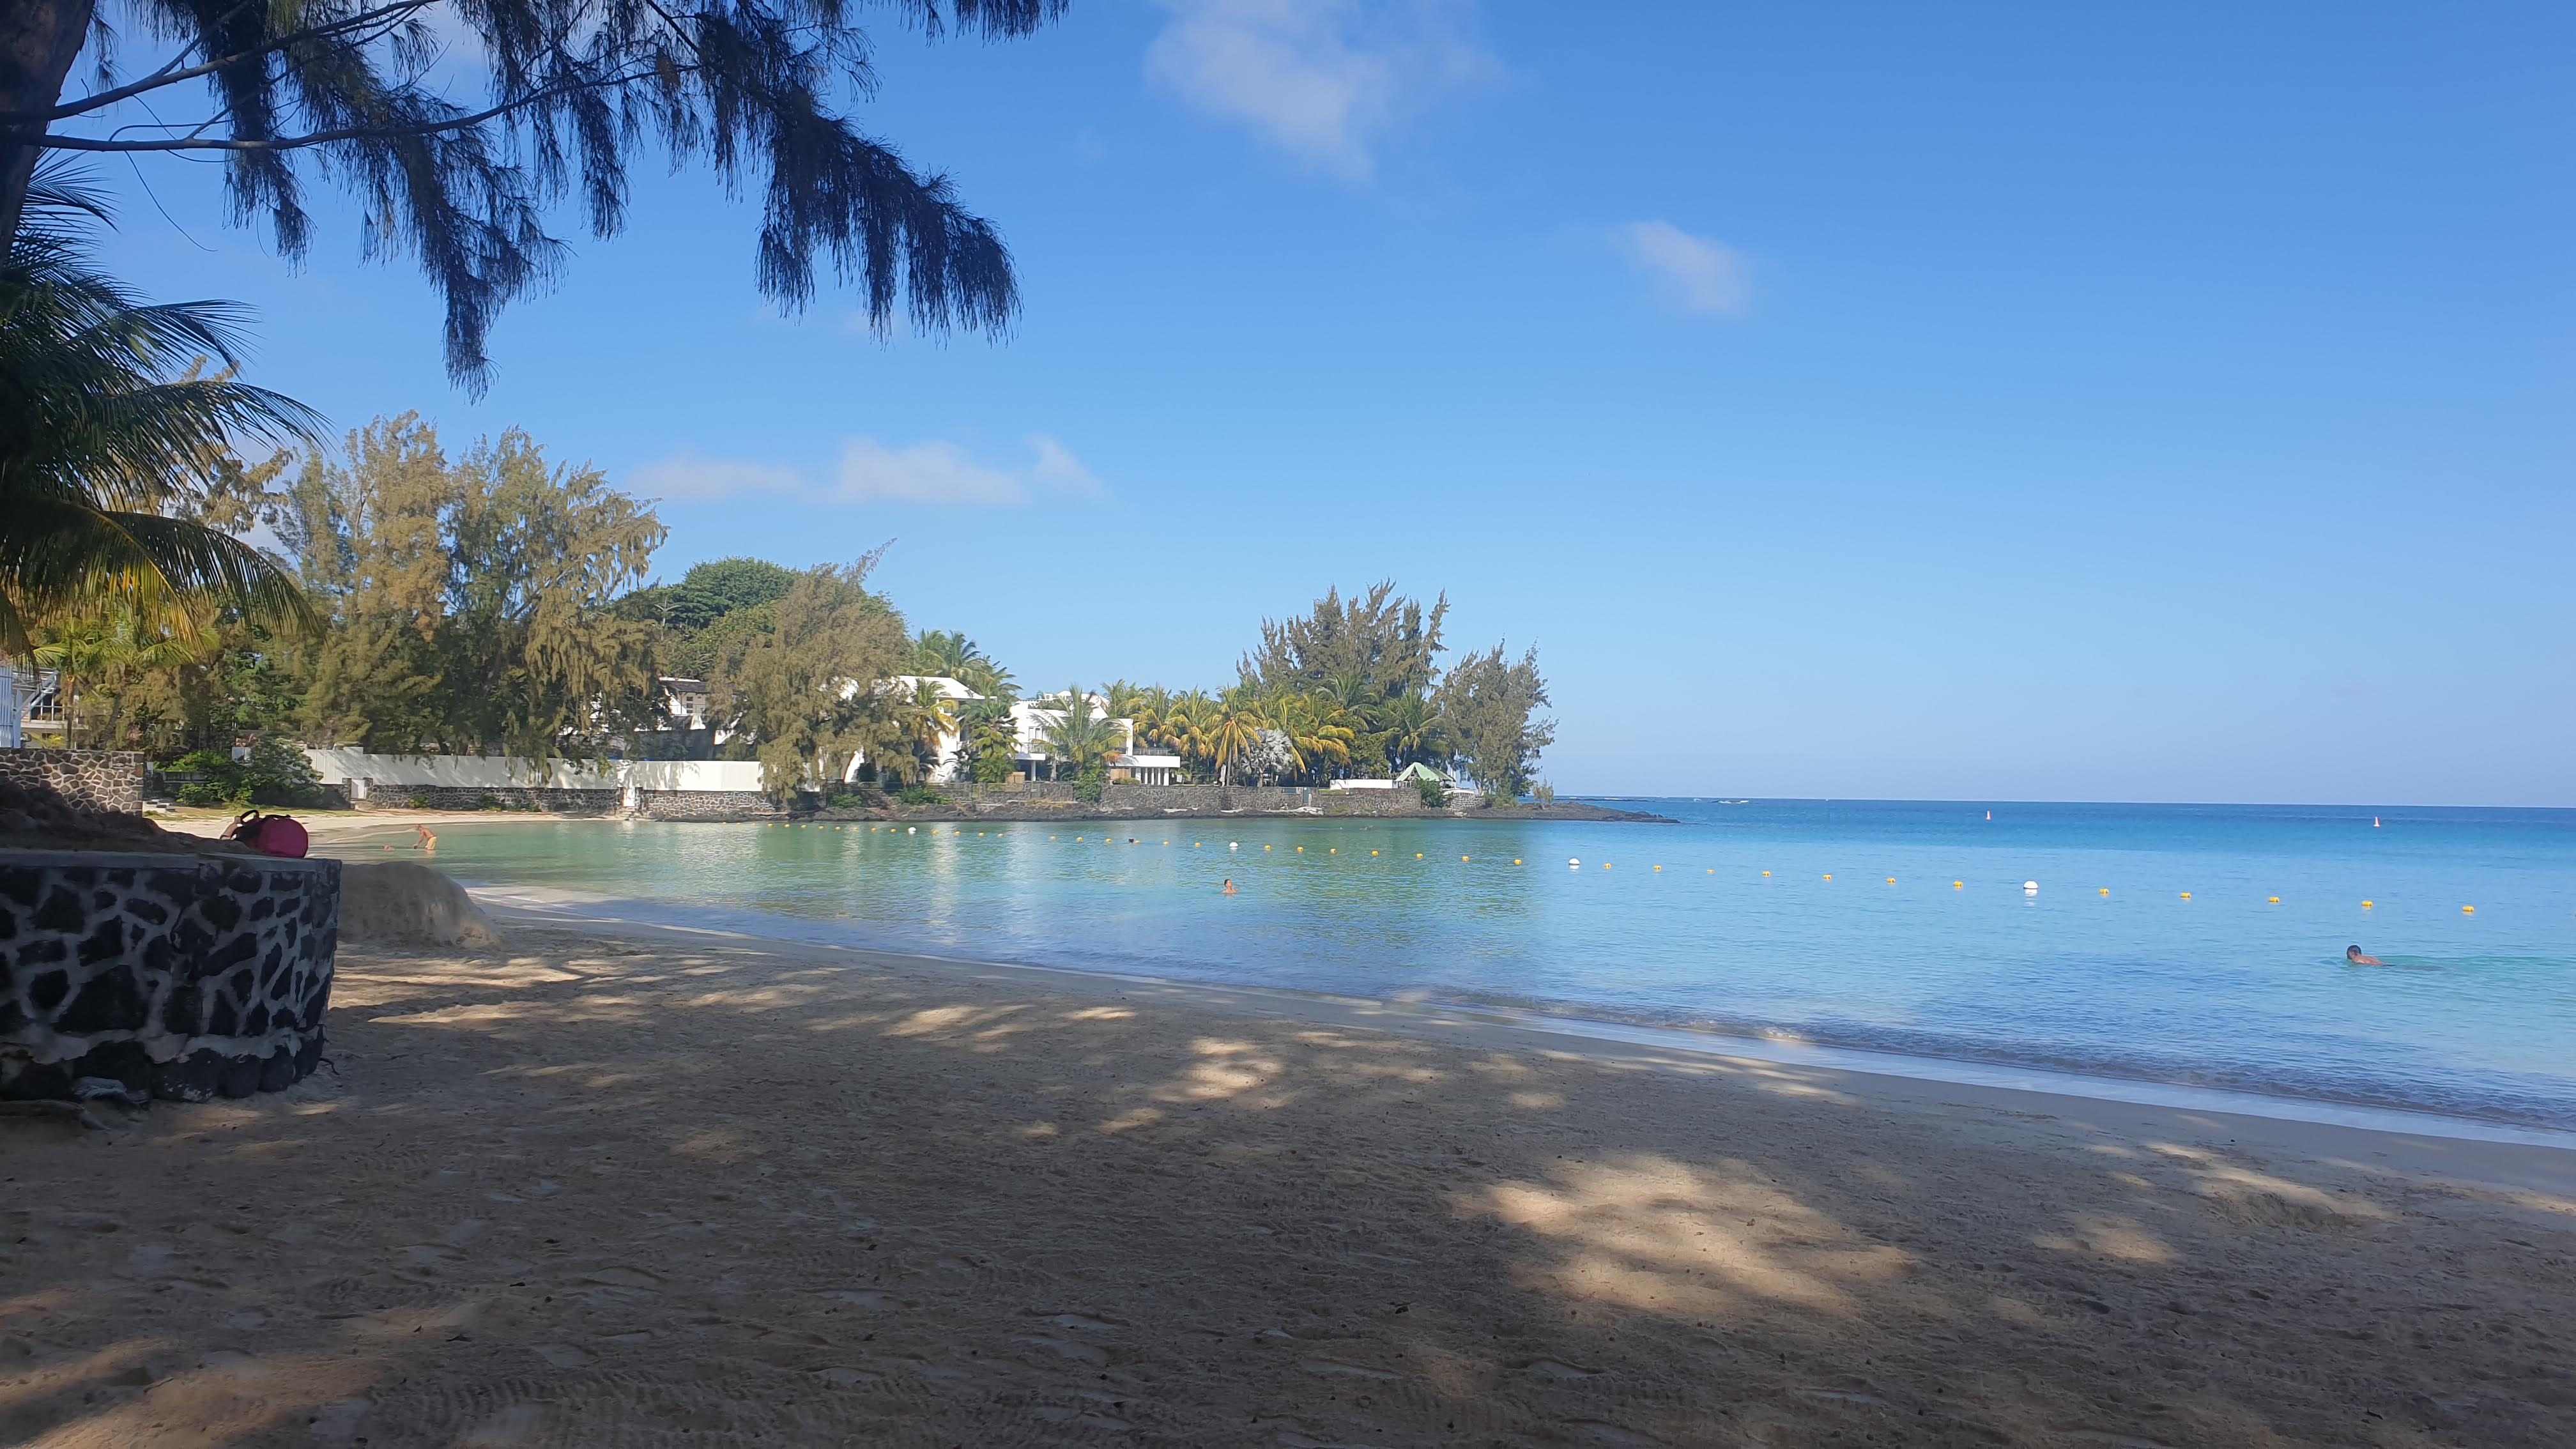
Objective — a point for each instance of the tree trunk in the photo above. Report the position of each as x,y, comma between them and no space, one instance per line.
39,39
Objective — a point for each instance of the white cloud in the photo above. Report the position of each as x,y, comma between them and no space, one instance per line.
1320,77
934,473
1691,273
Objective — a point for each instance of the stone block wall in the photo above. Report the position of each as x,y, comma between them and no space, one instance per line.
1196,799
702,804
186,976
110,781
511,797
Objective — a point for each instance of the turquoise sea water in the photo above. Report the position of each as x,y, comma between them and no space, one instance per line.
2474,1014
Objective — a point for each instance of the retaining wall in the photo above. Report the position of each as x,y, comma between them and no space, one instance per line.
188,976
1195,799
110,781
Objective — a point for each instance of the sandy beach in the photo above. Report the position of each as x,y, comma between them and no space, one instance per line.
614,1185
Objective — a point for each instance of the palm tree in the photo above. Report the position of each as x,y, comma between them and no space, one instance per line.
925,719
107,431
1082,736
1233,729
99,650
1416,729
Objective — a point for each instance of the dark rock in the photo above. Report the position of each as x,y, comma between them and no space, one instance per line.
225,1019
109,1001
62,911
8,924
222,912
38,1082
308,1056
123,1062
47,991
256,1024
149,912
185,1012
21,885
278,1072
239,1078
107,943
42,950
192,1078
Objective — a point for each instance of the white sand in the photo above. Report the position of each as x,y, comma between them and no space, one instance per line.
635,1187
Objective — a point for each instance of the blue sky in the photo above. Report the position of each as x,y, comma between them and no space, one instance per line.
2000,402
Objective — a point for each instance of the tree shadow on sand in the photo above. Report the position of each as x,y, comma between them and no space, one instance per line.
618,1194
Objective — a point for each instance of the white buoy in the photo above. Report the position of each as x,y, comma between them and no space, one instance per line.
908,829
2030,888
1234,845
1576,861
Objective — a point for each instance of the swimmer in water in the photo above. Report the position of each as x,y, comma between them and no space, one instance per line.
1229,886
2352,957
428,842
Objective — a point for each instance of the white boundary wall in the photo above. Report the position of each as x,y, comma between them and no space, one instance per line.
493,772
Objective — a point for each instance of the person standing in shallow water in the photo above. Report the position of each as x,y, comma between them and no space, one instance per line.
1229,886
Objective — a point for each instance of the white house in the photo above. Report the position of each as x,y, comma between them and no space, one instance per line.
949,762
1032,720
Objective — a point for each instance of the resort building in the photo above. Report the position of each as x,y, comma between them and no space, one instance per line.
1033,720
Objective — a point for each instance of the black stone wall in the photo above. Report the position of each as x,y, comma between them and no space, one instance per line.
184,976
110,781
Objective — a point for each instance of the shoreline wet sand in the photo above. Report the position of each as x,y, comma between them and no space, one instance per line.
629,1185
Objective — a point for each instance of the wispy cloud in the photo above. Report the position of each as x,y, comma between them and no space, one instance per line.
1321,78
935,474
1691,273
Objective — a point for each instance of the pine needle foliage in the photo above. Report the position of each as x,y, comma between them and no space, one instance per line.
458,125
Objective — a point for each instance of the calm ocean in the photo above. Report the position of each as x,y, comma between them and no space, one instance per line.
1894,926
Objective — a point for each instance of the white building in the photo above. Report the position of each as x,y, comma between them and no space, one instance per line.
1032,720
948,763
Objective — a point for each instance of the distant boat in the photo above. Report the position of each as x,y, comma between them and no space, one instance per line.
2374,822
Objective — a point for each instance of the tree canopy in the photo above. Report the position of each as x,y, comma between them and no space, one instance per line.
457,128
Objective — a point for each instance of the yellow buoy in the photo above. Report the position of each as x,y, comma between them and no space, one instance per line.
2106,890
2186,895
2276,900
1605,865
1417,855
1659,867
1712,870
2366,905
1462,860
1516,860
1829,877
2468,910
1891,880
1265,847
1301,850
1766,872
1372,852
1958,885
1332,850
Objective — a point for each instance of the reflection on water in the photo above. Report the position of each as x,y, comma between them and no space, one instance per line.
2153,947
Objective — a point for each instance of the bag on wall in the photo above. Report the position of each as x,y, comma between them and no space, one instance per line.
271,834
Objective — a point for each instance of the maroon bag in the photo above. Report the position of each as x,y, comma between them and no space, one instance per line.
271,834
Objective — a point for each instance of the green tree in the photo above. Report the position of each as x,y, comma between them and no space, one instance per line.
803,695
96,655
1491,705
111,437
1080,735
1381,638
537,101
476,601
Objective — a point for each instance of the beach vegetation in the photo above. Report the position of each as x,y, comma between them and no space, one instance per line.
1491,704
114,432
794,699
456,129
474,600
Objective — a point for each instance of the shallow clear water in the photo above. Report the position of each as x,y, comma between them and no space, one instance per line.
2475,1014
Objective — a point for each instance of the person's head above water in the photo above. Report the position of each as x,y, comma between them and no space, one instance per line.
2353,955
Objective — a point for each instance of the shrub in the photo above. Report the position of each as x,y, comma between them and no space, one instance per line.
278,774
423,802
489,801
992,769
1434,794
1543,793
1088,785
854,797
921,795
